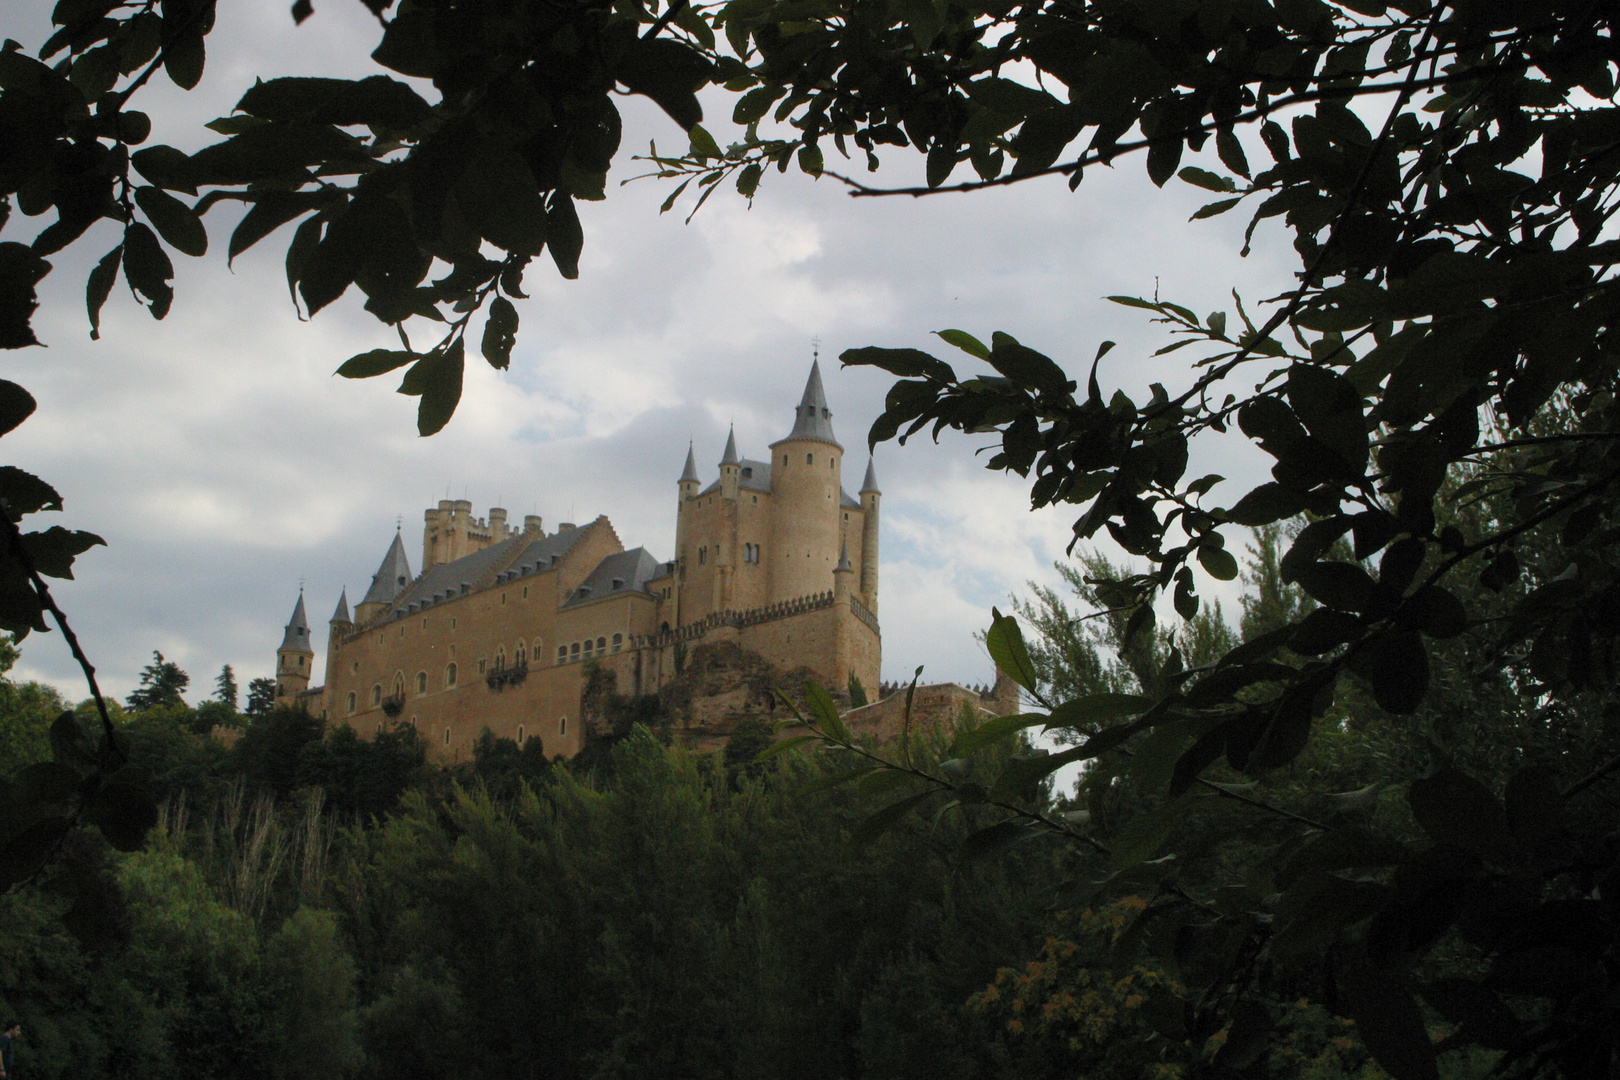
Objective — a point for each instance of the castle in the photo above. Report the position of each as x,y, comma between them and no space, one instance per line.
496,631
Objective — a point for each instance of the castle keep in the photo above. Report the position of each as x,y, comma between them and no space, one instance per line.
774,556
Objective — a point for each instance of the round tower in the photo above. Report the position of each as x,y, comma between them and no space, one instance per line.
688,486
295,658
870,497
806,471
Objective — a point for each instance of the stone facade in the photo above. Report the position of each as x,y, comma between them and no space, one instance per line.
774,556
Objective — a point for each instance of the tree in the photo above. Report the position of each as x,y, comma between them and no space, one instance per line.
225,686
161,683
261,697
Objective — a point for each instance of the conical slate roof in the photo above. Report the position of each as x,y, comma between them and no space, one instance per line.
690,472
297,635
870,483
812,419
392,577
341,615
730,456
843,560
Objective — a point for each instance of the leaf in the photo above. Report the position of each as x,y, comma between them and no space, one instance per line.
184,57
1214,209
70,745
377,100
1397,666
1141,837
1096,708
1025,366
1265,504
500,199
828,781
1345,586
376,362
962,340
176,222
1231,152
1454,808
20,271
16,405
44,782
995,840
24,493
1005,641
782,746
825,711
810,160
441,391
23,855
500,333
124,814
270,211
886,819
1324,630
98,286
148,269
1218,563
992,730
53,551
669,73
165,167
906,363
1436,612
1389,1021
1205,179
567,236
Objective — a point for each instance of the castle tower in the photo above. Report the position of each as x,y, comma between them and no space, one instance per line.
870,497
295,658
390,580
730,466
338,627
688,486
805,477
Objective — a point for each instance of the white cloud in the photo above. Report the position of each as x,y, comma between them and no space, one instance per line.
224,463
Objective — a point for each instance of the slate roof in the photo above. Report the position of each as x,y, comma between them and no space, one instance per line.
730,456
751,476
392,577
631,569
297,635
870,483
812,419
690,472
448,579
341,615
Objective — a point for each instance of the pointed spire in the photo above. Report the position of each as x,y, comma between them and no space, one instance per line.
341,615
812,419
730,456
391,577
690,472
870,483
843,566
297,635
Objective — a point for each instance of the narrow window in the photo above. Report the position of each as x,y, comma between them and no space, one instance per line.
520,735
376,695
452,624
450,676
520,658
351,702
573,651
482,664
300,661
399,685
562,726
588,650
503,598
447,736
809,459
421,682
562,653
525,592
601,644
500,658
618,642
424,622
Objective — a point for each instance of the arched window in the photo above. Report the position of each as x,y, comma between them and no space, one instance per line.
809,459
573,651
500,658
562,653
520,655
601,644
482,664
376,695
351,702
421,682
589,652
618,642
562,726
520,735
450,676
399,684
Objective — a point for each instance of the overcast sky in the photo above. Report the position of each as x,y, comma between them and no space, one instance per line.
224,464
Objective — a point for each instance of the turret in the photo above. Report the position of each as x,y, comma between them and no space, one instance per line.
730,465
391,579
805,479
870,497
295,658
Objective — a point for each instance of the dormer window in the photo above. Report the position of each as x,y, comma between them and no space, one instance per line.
748,474
618,583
